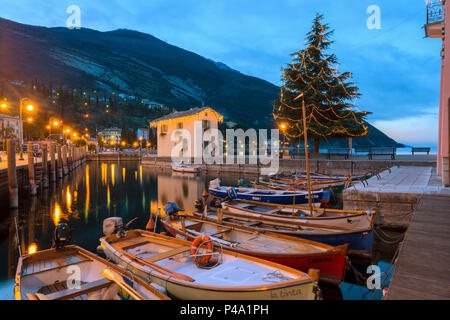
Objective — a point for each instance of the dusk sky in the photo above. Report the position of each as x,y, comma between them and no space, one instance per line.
395,67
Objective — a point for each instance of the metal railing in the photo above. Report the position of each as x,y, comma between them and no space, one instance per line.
435,11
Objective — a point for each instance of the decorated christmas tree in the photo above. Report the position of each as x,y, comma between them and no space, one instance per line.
326,93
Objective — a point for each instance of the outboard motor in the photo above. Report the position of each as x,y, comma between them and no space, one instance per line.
171,209
61,236
198,204
114,225
215,203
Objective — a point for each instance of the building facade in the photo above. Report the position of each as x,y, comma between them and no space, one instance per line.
166,126
110,134
143,133
435,27
12,122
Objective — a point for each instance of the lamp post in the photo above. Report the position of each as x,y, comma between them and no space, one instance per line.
29,108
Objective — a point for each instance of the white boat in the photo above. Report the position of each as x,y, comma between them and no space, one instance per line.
52,275
186,168
168,262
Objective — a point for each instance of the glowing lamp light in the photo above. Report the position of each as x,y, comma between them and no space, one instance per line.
32,248
30,107
4,105
55,123
67,130
30,119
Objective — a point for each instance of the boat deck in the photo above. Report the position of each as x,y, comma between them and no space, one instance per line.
422,271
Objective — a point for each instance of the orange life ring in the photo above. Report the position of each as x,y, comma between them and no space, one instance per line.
197,242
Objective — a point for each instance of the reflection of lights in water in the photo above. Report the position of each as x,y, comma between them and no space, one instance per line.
143,201
135,175
113,170
68,199
154,208
104,173
57,214
32,248
123,174
108,198
140,173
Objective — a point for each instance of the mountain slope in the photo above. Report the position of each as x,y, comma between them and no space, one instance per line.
139,64
134,63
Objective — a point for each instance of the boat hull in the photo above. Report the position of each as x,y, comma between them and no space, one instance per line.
360,221
186,169
331,266
287,199
289,290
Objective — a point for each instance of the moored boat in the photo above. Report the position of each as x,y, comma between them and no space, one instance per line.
298,215
185,168
52,274
293,252
264,195
226,275
358,240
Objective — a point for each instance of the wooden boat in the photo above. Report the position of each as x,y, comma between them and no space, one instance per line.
185,168
48,275
263,195
289,251
167,262
358,240
298,215
336,186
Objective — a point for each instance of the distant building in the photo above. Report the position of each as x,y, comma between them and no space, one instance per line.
109,134
7,121
183,120
143,133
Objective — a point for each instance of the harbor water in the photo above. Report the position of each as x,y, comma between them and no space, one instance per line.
129,190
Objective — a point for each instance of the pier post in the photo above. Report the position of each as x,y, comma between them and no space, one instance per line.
59,162
12,174
52,162
64,160
31,171
44,165
71,158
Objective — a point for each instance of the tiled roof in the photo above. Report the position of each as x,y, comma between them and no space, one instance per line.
180,114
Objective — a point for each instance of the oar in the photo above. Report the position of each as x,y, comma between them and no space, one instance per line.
158,268
114,277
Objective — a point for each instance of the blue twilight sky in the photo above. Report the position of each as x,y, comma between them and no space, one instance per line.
396,69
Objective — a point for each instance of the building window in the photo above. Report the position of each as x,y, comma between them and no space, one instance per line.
164,129
180,125
206,124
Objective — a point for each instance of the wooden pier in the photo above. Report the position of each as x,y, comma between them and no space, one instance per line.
36,171
422,269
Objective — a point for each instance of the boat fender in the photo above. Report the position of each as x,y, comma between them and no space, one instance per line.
231,193
194,247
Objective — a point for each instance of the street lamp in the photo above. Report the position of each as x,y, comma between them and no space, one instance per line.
30,107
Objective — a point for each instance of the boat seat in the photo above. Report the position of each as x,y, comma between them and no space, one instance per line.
252,223
67,293
135,245
167,254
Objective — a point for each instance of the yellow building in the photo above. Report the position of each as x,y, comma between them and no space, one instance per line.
111,134
207,117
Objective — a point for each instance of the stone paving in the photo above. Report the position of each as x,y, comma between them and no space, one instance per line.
394,194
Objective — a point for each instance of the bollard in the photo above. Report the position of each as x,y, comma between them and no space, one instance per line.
12,174
59,163
64,161
31,171
53,162
44,165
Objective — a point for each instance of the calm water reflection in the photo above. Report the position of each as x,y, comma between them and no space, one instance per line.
100,190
